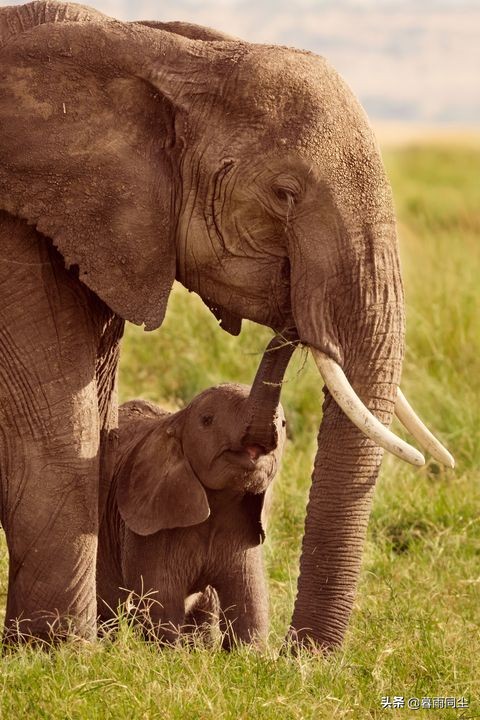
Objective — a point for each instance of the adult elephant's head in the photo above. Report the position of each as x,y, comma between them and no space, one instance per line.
251,174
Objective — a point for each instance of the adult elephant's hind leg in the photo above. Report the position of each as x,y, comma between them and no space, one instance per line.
49,437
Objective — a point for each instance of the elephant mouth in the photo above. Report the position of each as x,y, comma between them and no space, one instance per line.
248,457
254,451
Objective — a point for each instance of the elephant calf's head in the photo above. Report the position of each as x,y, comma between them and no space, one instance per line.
228,439
213,432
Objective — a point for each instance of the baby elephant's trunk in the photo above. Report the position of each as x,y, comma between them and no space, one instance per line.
261,431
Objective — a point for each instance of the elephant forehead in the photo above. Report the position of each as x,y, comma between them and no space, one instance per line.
296,90
221,395
296,104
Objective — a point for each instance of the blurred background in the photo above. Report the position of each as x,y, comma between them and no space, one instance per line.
409,61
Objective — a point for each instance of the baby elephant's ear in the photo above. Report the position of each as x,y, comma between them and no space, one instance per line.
156,487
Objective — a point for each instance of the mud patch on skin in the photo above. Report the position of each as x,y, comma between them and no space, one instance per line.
85,420
27,101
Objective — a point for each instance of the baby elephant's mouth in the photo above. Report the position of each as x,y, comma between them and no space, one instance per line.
249,467
254,451
246,456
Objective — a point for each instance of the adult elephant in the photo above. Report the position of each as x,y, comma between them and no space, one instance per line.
134,154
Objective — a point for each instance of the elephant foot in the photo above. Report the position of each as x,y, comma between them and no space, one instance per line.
202,617
72,617
45,632
298,642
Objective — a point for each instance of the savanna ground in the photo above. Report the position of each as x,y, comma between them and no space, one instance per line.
415,627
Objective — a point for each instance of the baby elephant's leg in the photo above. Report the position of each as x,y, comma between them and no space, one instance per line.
243,594
157,592
202,616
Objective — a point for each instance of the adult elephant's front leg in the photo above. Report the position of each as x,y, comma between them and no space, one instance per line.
50,329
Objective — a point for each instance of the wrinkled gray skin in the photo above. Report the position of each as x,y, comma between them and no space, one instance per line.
249,173
184,512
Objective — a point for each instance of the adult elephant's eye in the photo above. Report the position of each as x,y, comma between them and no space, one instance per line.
206,420
285,195
287,190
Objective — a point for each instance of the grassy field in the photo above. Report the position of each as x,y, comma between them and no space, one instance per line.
415,629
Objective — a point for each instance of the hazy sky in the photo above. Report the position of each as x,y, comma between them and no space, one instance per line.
415,60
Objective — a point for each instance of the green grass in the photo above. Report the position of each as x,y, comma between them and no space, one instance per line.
415,627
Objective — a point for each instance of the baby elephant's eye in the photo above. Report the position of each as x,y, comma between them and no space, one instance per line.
206,420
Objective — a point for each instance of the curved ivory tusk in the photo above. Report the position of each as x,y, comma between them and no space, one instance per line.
355,410
410,420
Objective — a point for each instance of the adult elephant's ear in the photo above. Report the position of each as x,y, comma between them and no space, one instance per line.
156,487
193,80
190,30
87,155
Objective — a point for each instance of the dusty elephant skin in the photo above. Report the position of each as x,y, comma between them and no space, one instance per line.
58,359
184,513
148,152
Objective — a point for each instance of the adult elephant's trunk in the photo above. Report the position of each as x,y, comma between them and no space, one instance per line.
261,409
366,335
344,476
354,324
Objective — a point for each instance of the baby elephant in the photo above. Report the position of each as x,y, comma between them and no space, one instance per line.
185,509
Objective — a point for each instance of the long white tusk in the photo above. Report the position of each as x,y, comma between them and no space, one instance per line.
410,420
355,410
